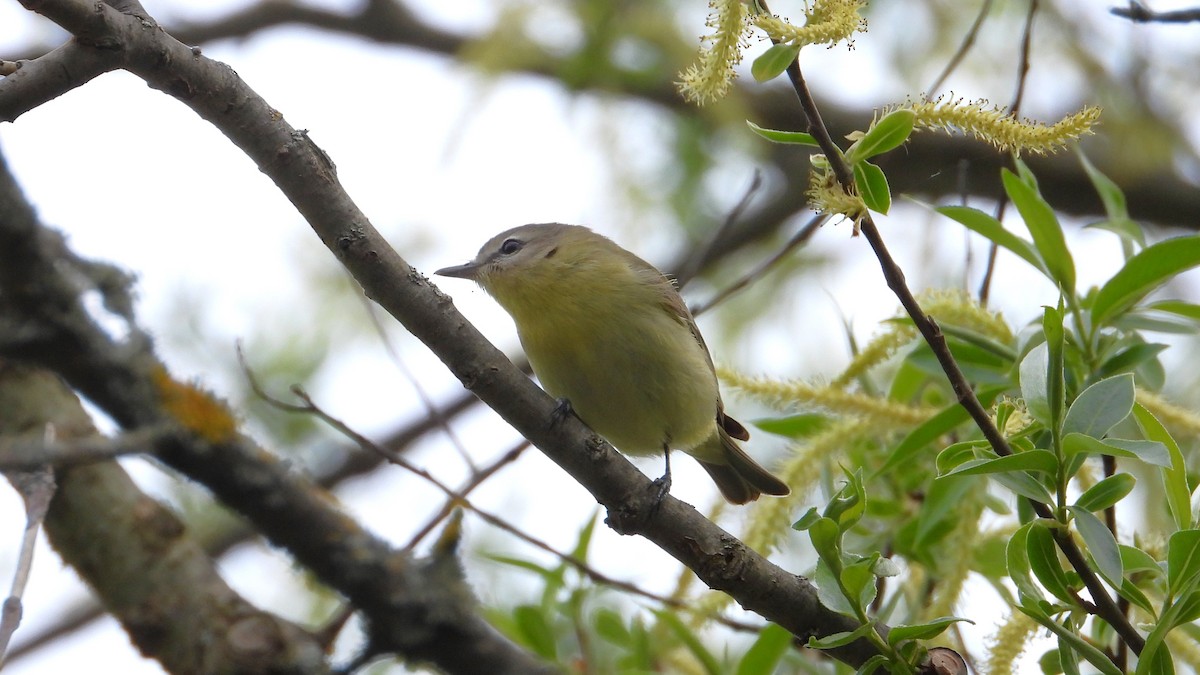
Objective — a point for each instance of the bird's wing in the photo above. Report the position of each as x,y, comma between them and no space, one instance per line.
673,303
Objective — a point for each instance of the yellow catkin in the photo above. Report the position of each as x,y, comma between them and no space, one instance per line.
881,413
1008,643
710,78
1184,649
826,22
954,561
770,520
995,125
949,308
1179,420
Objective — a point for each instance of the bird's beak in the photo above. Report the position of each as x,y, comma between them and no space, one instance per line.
467,271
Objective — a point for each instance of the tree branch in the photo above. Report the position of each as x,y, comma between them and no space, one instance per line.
282,506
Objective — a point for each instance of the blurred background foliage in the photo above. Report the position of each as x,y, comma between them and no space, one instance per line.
666,177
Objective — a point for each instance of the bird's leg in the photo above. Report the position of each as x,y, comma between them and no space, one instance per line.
561,410
663,483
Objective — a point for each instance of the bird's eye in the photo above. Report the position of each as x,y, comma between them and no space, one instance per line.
511,246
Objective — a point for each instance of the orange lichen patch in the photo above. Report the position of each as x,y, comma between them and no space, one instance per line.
195,409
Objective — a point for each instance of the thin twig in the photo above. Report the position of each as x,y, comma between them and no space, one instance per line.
686,273
797,240
1104,607
477,478
426,400
1139,13
460,499
963,48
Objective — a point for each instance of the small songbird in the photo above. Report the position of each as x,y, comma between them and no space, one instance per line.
610,335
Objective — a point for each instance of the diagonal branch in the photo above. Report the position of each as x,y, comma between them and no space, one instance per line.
280,505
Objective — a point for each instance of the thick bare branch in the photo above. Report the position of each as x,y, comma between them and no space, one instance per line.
282,506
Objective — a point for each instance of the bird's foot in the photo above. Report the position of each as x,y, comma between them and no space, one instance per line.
562,409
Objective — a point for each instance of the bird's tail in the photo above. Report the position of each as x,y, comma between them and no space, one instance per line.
739,478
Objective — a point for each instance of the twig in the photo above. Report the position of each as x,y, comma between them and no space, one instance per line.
985,285
963,48
36,487
459,499
477,478
1140,13
797,240
1105,608
426,401
695,262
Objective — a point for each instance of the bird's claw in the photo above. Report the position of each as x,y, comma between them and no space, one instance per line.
562,409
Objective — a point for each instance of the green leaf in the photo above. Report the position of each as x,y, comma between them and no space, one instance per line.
1100,543
1043,560
1183,561
1052,326
872,187
1135,560
918,440
982,223
689,638
1017,556
1129,358
826,539
1100,407
1114,205
786,137
610,626
1107,492
1186,310
766,652
1044,227
536,631
1179,495
1030,460
858,580
794,426
872,664
1143,273
1034,391
1151,452
885,135
829,592
774,61
922,631
1084,648
840,639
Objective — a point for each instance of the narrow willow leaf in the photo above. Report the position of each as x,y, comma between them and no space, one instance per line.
1033,383
994,231
1031,460
1017,557
887,134
1151,452
1179,495
1044,227
774,61
872,187
1107,492
767,651
1144,272
786,137
1183,560
922,631
1100,407
1084,648
839,639
1043,560
1100,543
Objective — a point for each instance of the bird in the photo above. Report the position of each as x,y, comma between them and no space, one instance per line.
611,338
